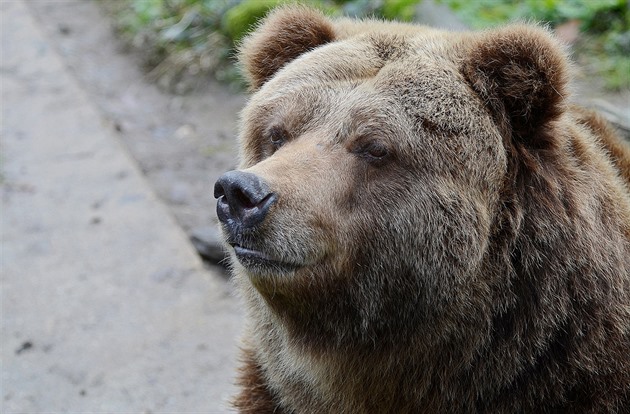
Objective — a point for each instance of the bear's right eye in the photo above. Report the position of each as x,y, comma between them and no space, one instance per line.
277,136
374,152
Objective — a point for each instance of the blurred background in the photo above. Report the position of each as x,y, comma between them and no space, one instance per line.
117,118
189,37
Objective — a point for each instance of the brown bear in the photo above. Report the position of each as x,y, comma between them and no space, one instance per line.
423,223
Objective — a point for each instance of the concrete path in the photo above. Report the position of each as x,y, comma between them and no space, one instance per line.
105,306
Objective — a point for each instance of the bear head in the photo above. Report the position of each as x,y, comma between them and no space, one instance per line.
403,187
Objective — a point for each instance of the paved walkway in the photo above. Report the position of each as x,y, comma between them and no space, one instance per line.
105,306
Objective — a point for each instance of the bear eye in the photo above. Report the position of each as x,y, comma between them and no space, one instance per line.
377,151
277,136
373,151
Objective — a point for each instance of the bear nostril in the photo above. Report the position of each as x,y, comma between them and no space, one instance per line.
218,190
243,198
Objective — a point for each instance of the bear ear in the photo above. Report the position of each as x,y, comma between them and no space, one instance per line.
286,33
521,73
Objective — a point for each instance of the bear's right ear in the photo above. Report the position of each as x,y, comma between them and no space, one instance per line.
286,33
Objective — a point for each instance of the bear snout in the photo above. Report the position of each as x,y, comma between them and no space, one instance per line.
243,199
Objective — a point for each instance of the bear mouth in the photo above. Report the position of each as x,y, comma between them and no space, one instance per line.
261,262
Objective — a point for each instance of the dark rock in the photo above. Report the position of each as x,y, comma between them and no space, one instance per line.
64,30
24,347
619,117
209,244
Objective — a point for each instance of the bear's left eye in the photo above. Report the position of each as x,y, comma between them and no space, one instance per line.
277,136
373,151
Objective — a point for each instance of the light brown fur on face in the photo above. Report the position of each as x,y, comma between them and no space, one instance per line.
448,233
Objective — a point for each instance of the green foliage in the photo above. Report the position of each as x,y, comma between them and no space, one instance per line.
238,20
404,10
486,13
482,13
608,55
181,39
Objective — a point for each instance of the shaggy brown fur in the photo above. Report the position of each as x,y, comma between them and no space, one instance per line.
284,37
447,233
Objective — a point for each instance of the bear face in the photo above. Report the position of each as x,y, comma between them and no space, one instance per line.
371,165
422,223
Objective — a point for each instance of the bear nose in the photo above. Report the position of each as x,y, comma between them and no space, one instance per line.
242,197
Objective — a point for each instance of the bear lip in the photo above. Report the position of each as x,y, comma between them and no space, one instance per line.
258,260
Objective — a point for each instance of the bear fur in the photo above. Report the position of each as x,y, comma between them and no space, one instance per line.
448,233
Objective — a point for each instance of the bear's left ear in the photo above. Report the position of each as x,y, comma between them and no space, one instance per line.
521,73
286,33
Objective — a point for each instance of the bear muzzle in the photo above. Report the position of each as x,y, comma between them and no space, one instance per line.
243,202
